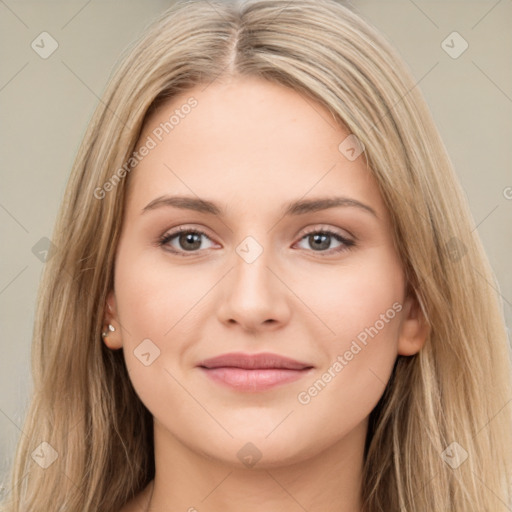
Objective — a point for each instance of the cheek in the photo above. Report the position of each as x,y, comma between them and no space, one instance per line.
157,305
356,297
368,309
155,299
363,307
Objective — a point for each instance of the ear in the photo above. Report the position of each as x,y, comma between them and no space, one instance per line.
111,338
413,329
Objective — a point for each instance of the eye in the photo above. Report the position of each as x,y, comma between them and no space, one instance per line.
321,239
188,240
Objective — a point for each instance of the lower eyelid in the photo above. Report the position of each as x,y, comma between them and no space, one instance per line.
345,242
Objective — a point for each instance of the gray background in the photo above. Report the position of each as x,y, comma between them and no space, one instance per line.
45,105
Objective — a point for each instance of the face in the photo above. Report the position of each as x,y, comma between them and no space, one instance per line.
234,269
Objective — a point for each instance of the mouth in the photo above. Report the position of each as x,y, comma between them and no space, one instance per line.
253,372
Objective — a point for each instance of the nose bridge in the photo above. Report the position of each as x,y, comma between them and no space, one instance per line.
254,295
252,277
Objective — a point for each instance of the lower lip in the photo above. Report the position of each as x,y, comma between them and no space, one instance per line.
253,380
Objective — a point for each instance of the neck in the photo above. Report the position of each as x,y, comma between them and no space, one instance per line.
189,481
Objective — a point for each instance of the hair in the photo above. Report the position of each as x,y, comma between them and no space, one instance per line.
455,389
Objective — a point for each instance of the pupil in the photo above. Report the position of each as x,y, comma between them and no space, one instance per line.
318,237
189,238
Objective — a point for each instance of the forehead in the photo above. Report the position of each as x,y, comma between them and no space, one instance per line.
247,140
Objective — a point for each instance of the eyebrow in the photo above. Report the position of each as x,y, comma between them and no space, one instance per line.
299,207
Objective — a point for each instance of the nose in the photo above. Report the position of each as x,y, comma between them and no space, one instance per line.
254,295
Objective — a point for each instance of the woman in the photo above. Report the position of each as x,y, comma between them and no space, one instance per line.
329,341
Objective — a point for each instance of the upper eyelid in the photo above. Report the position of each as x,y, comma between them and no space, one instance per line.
314,228
330,229
173,232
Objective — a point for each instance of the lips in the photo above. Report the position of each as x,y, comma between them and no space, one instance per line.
254,361
253,372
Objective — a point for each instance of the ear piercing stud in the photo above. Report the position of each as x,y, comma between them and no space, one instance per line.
111,328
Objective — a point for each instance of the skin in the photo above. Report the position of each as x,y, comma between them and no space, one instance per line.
252,146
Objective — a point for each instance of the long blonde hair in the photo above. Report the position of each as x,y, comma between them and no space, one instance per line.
455,390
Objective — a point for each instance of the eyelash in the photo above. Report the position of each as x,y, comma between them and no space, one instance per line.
347,244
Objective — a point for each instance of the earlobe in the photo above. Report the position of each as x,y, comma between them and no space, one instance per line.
111,332
414,328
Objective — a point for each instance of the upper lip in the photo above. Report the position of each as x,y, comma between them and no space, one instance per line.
254,361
